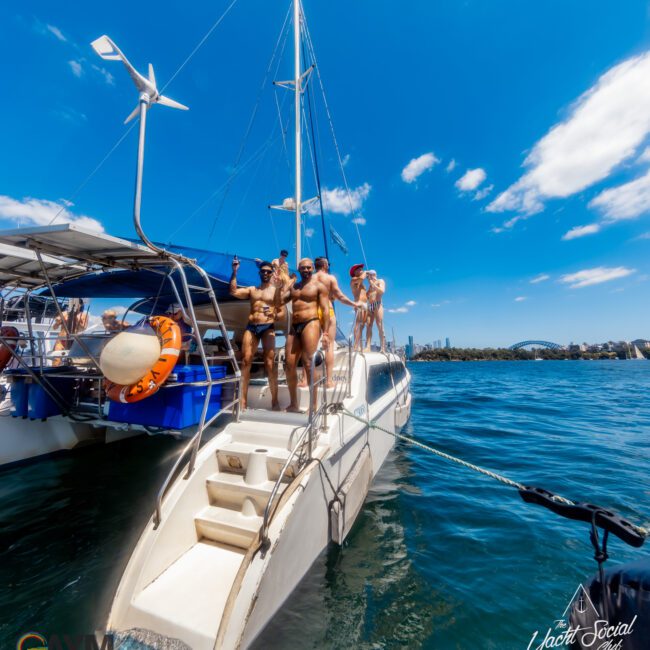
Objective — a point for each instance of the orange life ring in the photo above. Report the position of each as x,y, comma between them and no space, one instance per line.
169,334
7,332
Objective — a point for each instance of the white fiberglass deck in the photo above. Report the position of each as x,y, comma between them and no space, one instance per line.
185,595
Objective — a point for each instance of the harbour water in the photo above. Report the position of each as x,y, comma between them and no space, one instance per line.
440,557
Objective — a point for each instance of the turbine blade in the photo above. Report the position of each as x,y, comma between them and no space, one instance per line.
152,76
105,47
165,101
135,112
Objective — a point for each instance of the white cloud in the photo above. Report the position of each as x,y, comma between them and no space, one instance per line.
41,212
346,160
645,156
581,231
451,165
540,278
627,201
360,221
339,201
471,179
76,68
56,31
481,194
605,127
597,275
417,166
440,304
520,298
108,77
645,235
309,232
404,308
70,114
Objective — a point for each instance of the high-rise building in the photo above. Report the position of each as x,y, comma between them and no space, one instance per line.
447,343
410,349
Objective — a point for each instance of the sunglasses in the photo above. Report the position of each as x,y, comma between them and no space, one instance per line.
304,268
265,271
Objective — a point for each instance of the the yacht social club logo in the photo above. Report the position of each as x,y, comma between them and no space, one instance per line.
595,633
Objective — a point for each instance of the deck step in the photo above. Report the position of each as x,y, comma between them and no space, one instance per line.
274,417
231,490
227,526
187,600
233,458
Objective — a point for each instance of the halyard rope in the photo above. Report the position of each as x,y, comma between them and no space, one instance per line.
497,477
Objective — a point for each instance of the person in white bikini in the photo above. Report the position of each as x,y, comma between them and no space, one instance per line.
376,292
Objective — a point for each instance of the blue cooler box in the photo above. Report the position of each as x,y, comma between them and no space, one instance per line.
29,399
39,404
176,407
19,393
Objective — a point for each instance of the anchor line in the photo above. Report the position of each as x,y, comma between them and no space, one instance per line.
640,530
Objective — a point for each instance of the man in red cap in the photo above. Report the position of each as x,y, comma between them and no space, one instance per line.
359,293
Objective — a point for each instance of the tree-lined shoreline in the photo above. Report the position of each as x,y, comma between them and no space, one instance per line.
506,354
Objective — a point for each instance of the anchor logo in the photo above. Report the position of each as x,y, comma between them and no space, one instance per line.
582,602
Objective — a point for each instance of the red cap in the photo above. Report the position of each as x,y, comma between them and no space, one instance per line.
353,269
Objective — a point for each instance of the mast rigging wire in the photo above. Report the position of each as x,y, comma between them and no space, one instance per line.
249,127
312,53
259,152
200,44
314,159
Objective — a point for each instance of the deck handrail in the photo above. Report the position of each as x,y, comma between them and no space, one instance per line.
157,516
314,416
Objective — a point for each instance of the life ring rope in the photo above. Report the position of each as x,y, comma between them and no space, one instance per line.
170,337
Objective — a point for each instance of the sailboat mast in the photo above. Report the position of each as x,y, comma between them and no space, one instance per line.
298,125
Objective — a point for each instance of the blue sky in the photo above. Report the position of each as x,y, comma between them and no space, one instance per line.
486,145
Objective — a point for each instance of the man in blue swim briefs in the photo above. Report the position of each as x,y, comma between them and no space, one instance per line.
265,301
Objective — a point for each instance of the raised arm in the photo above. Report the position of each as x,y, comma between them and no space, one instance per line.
339,295
236,292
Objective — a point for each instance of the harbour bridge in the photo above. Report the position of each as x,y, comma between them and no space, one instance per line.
543,344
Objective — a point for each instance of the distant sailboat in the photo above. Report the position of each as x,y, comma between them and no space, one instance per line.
637,353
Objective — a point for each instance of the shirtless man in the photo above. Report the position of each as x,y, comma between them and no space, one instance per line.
75,320
265,300
359,293
333,293
375,309
281,267
307,296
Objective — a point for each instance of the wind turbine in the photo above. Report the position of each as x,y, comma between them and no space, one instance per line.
149,95
105,47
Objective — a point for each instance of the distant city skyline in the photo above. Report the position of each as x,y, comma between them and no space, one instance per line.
415,346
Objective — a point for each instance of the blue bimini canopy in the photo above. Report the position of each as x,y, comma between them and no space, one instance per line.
155,284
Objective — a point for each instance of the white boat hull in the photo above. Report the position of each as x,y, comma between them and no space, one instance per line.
202,577
22,440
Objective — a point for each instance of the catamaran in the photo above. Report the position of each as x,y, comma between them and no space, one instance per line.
255,495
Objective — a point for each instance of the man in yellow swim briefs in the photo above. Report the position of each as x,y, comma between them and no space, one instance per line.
334,293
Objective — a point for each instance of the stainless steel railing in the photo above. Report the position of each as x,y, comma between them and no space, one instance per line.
191,446
308,432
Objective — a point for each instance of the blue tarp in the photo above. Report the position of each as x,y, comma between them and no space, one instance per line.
157,288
